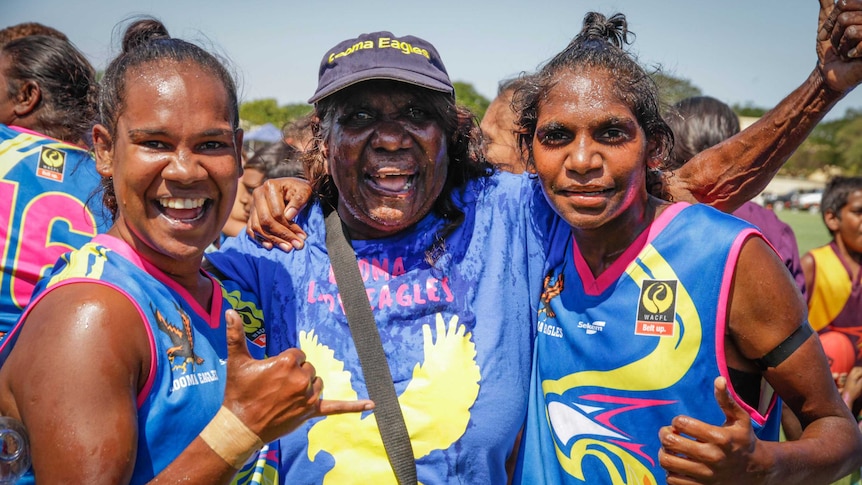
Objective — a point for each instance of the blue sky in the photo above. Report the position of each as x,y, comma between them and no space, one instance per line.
740,51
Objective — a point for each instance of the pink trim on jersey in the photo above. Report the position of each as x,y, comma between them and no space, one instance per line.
28,131
151,340
721,321
596,286
212,317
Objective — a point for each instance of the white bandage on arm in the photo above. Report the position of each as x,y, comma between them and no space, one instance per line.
230,438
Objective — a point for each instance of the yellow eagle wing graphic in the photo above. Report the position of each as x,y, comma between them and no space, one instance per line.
16,149
633,471
88,261
641,375
436,405
652,372
336,381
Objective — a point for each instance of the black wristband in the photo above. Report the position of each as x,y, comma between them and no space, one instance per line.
783,350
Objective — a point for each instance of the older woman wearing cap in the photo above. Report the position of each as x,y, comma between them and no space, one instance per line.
451,254
398,162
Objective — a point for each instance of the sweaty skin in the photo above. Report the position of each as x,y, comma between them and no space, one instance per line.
724,176
174,164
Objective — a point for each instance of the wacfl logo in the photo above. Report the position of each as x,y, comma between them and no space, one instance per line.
52,163
656,308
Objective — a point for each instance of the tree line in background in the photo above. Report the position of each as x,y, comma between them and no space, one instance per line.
833,146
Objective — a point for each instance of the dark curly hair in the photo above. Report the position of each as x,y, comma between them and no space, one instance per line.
147,41
600,44
29,28
836,193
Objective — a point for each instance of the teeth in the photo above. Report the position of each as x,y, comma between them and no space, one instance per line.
384,177
391,181
176,203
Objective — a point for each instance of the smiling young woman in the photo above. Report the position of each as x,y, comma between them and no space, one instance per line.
176,176
653,306
129,365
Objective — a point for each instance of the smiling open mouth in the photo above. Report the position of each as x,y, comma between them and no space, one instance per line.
183,210
397,183
593,192
588,193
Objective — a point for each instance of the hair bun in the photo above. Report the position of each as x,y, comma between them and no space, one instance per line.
614,30
143,32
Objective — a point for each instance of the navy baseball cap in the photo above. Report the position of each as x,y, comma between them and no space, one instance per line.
381,55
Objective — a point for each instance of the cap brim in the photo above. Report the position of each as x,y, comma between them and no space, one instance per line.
384,73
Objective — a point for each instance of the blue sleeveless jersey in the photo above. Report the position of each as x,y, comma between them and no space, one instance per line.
188,347
454,316
45,187
620,356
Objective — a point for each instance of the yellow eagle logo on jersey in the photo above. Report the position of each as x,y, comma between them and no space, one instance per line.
436,405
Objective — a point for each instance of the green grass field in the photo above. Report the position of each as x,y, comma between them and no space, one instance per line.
808,227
